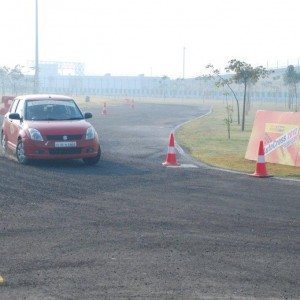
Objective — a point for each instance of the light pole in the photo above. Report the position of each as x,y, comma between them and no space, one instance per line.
36,69
183,63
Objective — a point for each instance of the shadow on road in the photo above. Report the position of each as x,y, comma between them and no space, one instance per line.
77,167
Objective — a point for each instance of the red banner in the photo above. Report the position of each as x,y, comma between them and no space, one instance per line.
280,132
6,100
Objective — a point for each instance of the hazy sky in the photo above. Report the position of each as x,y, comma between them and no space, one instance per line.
131,37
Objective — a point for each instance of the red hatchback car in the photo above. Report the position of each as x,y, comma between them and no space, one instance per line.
49,127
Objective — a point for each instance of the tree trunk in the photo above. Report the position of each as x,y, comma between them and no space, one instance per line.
248,105
296,100
291,98
237,103
228,131
238,108
244,105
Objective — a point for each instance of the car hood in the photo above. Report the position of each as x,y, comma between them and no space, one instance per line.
59,127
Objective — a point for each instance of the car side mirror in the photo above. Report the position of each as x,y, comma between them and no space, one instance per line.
14,116
88,115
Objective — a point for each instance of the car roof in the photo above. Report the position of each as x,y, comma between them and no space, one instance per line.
44,97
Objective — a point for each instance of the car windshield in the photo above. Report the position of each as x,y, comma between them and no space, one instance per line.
47,110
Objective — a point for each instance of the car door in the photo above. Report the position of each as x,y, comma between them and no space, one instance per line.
8,127
16,125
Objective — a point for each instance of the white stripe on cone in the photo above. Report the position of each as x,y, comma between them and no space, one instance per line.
171,150
261,159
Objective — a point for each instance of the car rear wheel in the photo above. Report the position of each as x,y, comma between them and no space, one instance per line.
92,160
20,153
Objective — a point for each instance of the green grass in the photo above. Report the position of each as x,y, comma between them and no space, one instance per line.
206,140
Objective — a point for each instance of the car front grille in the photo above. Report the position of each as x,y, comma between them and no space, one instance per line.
70,137
55,151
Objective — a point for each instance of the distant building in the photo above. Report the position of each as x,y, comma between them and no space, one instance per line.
69,78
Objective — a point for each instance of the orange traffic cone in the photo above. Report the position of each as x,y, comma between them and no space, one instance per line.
261,170
104,110
171,156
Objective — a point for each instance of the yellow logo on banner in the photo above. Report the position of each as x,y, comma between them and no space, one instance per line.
278,128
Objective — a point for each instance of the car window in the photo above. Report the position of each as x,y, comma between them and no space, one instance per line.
14,105
52,110
20,108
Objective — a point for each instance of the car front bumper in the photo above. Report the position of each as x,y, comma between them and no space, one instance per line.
49,150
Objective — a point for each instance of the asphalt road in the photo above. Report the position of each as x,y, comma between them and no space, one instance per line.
131,228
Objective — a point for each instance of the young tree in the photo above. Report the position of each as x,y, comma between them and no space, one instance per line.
225,82
245,74
15,75
291,79
228,119
4,71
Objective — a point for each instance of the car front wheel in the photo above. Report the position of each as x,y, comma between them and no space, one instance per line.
92,160
20,153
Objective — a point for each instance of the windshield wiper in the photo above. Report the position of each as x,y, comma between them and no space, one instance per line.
74,118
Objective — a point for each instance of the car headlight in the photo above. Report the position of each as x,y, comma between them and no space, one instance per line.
35,134
90,133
